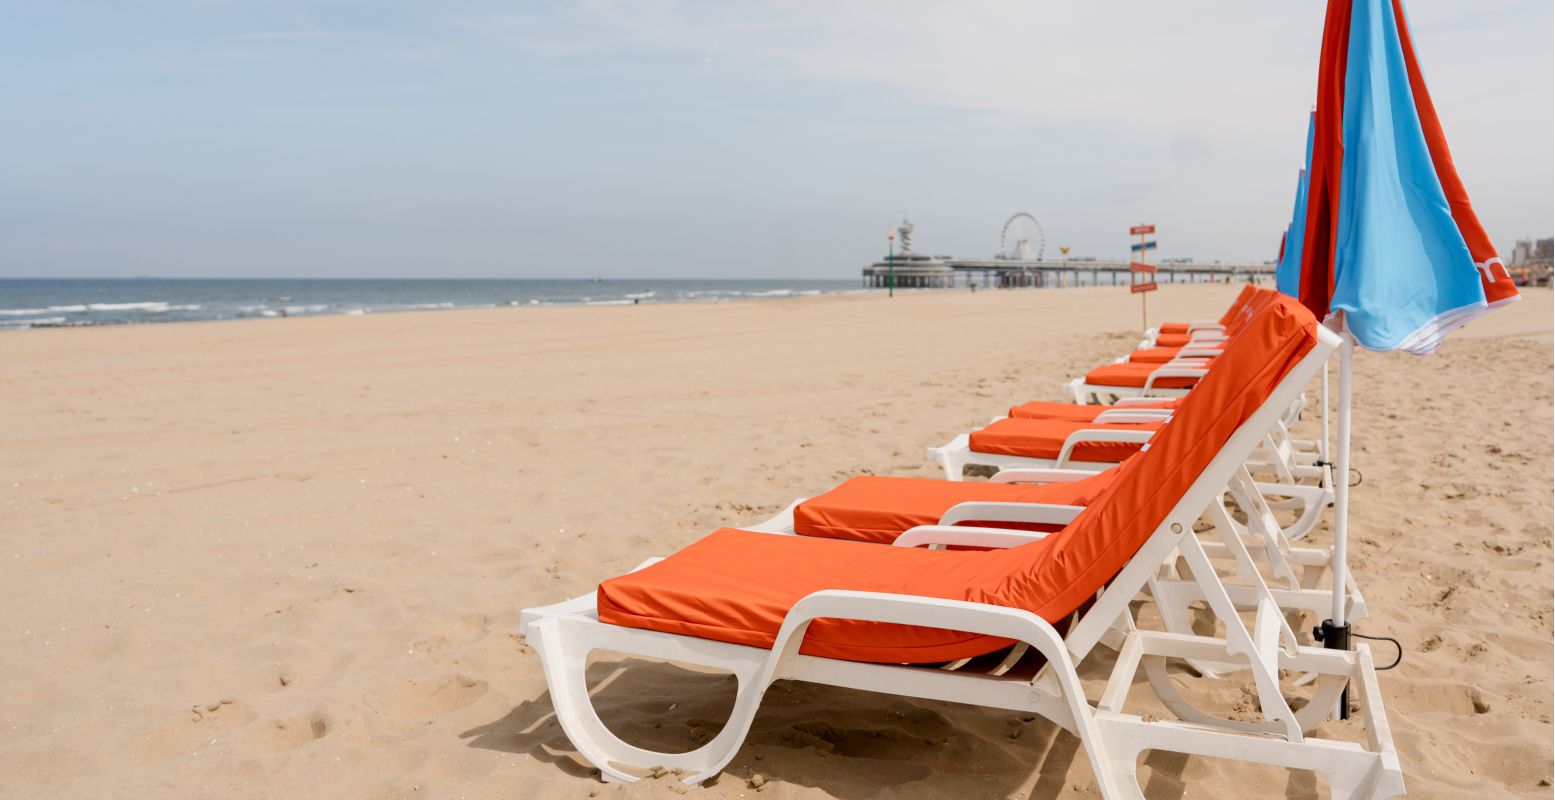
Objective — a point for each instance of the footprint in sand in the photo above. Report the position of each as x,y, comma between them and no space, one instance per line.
287,733
181,733
412,704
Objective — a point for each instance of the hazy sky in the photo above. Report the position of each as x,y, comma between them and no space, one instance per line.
660,138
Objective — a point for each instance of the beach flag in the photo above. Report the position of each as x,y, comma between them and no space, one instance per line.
1391,248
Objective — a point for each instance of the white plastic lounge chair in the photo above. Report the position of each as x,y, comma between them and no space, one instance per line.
564,634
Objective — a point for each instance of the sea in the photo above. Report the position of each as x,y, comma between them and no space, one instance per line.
45,303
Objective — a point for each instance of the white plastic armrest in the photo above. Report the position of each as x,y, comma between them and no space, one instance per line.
1124,402
1204,325
963,536
1200,352
1206,336
1172,372
1039,475
1027,513
1134,415
1094,435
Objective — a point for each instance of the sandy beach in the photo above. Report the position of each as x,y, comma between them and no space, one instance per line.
285,558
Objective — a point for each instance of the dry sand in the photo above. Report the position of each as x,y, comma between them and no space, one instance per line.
286,558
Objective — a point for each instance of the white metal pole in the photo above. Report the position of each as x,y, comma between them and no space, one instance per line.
1323,448
1342,477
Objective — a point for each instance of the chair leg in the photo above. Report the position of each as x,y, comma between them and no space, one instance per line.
565,659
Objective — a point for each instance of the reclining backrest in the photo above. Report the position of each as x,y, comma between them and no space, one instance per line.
1060,574
1257,300
1236,306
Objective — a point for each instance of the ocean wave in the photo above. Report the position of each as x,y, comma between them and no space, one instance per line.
217,301
416,307
149,307
41,322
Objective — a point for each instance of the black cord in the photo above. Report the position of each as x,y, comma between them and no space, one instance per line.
1359,478
1400,647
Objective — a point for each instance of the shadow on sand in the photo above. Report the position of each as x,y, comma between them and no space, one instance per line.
849,744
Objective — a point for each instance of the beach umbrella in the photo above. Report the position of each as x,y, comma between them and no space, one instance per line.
1392,254
1287,275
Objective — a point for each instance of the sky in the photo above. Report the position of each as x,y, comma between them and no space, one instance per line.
657,138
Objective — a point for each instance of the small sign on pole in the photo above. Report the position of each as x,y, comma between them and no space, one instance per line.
1142,272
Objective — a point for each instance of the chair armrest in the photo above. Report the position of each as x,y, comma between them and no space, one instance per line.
965,536
1172,372
1200,352
1039,475
1134,415
1096,435
1205,325
1125,402
1029,513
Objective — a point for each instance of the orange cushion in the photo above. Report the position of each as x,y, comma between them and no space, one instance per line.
1153,355
1173,327
1134,374
738,586
1171,339
878,509
1073,411
1044,438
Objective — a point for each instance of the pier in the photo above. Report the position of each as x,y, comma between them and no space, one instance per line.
1020,263
943,272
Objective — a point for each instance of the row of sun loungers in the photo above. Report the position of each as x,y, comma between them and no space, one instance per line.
1187,489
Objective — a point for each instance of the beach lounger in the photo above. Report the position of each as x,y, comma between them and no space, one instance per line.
867,617
883,510
1178,334
1087,412
1169,364
880,509
1179,328
1286,476
1300,452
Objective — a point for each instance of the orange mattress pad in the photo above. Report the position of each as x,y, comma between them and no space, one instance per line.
878,509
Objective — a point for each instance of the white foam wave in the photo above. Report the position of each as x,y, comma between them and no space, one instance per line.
155,306
150,307
42,322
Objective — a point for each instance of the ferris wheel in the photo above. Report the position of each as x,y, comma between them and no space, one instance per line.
1022,238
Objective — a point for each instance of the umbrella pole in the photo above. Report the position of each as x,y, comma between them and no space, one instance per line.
1322,448
1335,632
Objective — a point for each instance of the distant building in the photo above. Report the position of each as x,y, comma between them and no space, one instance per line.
1528,251
1532,261
905,269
